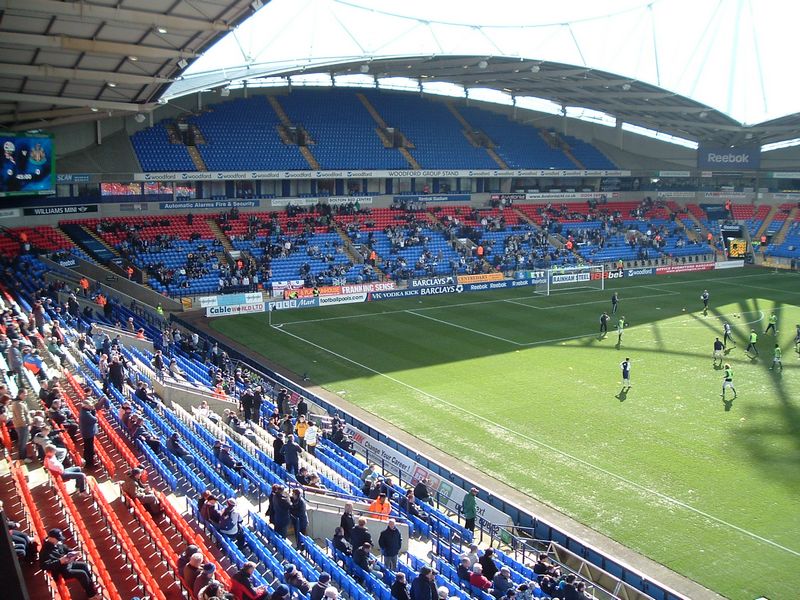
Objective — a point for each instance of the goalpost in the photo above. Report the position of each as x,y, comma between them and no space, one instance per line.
561,279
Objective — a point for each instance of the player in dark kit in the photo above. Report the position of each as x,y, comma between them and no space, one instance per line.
625,365
704,297
614,302
604,324
718,348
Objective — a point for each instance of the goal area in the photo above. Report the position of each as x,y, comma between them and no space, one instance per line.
562,279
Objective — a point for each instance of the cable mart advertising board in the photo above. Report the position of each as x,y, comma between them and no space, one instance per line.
236,309
401,465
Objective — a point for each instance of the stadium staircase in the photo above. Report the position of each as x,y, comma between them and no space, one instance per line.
198,161
773,210
553,140
286,124
555,240
780,237
94,245
472,135
353,252
220,235
381,132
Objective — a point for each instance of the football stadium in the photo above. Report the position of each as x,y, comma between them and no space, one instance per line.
416,301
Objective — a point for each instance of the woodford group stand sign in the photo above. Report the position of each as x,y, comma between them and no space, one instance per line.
382,174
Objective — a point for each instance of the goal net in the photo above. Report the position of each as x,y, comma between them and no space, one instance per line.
561,279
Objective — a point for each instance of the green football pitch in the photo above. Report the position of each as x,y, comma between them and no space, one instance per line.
522,386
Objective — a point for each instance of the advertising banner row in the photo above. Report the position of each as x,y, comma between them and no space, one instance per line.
378,174
435,286
229,299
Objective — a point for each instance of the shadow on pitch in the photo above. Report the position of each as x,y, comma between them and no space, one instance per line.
623,394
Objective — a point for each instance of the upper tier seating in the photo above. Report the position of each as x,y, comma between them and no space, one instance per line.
242,134
157,153
589,156
520,146
436,134
342,129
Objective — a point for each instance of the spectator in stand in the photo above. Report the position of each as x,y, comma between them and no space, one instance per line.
230,523
469,509
390,542
145,395
294,579
312,438
299,515
322,584
347,522
25,547
291,451
487,563
184,558
543,567
87,423
192,570
281,506
300,429
277,447
212,591
203,578
478,579
60,560
464,568
362,556
134,487
408,503
243,588
400,587
210,510
21,417
501,583
175,446
360,533
424,586
380,508
54,466
46,437
340,543
421,491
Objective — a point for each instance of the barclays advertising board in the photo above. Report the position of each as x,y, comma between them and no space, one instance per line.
712,157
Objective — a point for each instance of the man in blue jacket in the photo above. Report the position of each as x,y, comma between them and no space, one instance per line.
390,541
424,587
291,454
87,424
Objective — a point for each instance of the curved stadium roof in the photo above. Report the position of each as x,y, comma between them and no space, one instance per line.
711,70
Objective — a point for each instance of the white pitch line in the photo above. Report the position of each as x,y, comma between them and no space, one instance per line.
475,331
567,455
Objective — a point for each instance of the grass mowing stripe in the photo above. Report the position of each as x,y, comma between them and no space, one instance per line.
553,449
475,331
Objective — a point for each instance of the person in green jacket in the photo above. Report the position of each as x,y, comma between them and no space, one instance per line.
773,323
752,344
777,354
469,508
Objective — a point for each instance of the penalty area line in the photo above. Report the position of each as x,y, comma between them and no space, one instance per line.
553,449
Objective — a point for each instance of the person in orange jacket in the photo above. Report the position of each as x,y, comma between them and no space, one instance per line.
380,508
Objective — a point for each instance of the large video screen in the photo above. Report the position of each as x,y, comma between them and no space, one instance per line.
28,165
